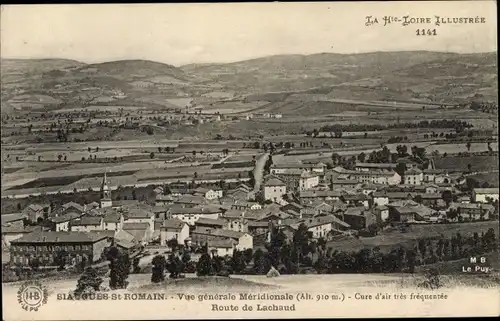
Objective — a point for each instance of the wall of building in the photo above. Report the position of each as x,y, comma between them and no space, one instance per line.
245,242
274,193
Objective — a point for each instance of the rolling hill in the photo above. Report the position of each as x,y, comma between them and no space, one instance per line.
286,80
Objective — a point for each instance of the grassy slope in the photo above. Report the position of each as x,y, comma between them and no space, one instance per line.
387,241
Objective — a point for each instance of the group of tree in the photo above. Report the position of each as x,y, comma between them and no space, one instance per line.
290,256
268,164
485,107
458,125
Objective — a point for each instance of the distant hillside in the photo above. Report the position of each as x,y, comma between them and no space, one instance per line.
292,83
403,76
35,66
134,69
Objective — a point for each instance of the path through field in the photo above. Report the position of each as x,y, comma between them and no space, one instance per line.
258,172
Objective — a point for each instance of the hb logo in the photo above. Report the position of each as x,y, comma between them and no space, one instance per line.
32,295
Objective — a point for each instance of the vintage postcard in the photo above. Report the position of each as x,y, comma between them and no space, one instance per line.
249,160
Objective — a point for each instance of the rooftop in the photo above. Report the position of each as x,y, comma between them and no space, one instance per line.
377,165
209,221
274,182
60,237
87,220
173,224
322,220
195,210
135,226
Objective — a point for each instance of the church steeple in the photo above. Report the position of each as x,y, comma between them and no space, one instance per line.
105,193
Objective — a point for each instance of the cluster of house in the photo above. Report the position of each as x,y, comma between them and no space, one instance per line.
373,192
330,203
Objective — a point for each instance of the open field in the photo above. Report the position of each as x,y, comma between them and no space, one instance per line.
478,163
387,241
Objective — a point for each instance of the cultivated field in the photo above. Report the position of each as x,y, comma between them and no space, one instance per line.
387,241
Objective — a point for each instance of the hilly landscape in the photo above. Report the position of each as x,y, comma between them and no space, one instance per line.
286,83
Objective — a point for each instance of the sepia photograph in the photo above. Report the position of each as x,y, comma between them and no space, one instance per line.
249,160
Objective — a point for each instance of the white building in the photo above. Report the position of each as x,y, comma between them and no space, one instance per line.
375,177
284,168
137,215
308,180
87,224
322,226
221,247
481,195
413,176
274,189
174,229
113,222
193,214
209,193
368,167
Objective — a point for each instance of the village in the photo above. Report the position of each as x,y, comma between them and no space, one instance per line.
334,203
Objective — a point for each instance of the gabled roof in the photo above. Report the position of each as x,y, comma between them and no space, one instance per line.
60,237
228,243
195,210
355,197
112,218
66,217
35,207
273,181
413,171
173,224
377,165
233,213
313,194
88,221
137,213
209,221
322,220
354,210
74,205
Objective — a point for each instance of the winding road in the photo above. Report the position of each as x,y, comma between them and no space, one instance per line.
258,172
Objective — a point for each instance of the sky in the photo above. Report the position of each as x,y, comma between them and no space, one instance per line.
181,34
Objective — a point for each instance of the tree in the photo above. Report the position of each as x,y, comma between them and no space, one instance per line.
159,149
152,155
301,241
120,268
174,266
261,262
134,194
469,168
248,254
237,262
204,266
60,259
59,157
34,263
362,157
89,281
468,145
158,271
447,196
173,244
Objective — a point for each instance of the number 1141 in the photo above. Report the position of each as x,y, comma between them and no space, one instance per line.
426,32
